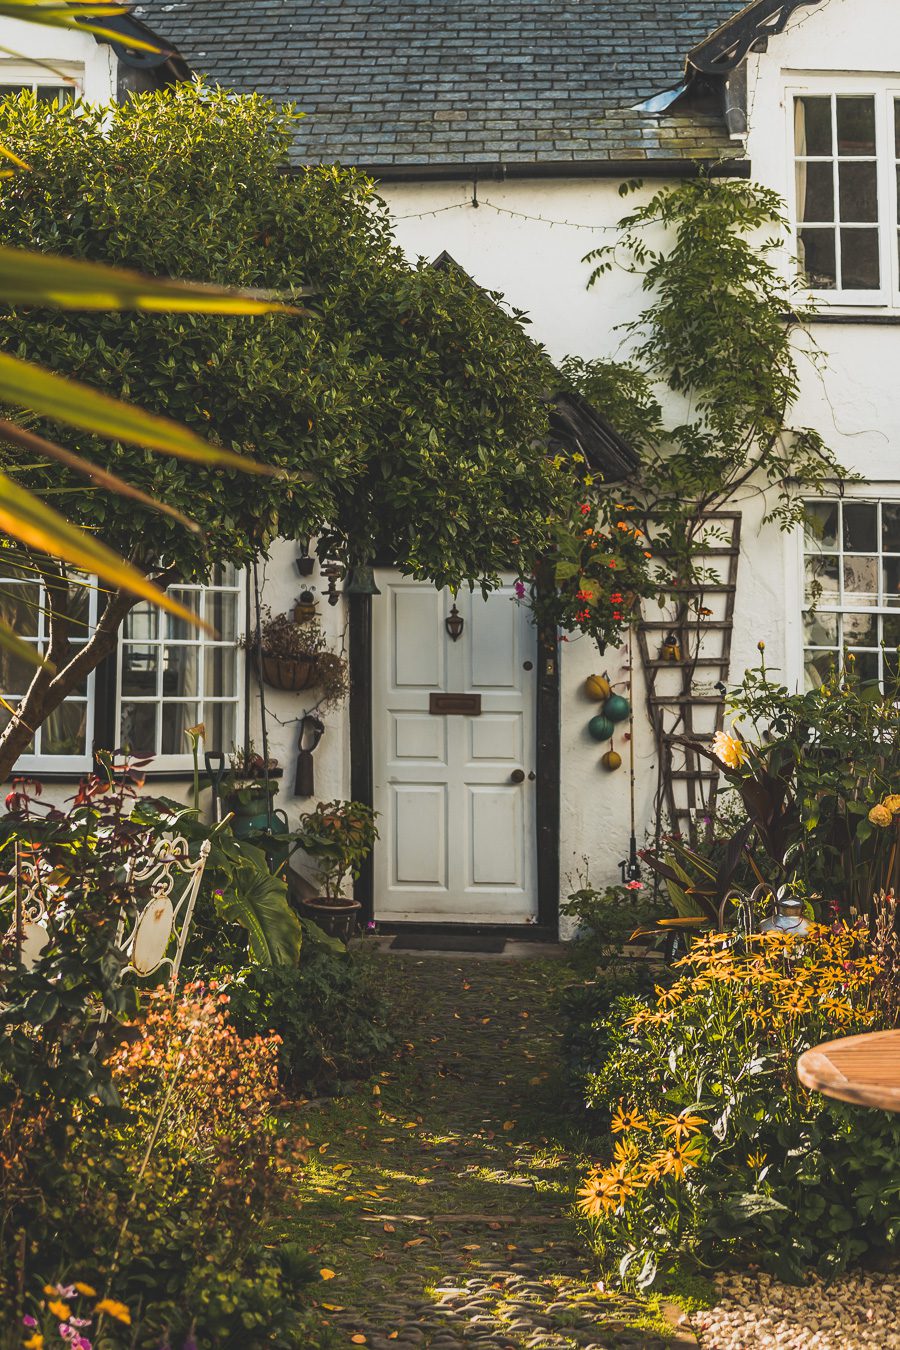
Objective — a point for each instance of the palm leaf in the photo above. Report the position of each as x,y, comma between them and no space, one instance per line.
23,651
28,440
77,14
26,518
258,901
27,386
32,278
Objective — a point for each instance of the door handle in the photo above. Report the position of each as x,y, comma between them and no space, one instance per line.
517,776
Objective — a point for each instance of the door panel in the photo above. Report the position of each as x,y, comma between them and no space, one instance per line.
419,817
457,830
496,827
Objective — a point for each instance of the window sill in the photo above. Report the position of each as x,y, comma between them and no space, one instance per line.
882,317
149,775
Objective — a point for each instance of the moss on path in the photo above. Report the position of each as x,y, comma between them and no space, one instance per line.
439,1193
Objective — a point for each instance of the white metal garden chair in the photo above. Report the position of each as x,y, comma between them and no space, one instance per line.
144,941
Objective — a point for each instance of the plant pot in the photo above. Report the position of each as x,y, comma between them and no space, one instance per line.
283,672
337,918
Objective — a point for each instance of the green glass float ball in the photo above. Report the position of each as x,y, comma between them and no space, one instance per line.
600,727
616,708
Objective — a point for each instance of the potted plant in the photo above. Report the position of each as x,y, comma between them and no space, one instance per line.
338,836
288,650
250,784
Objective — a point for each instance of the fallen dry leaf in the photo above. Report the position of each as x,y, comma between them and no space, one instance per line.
471,1246
326,1273
509,1124
332,1307
389,1228
415,1242
358,1339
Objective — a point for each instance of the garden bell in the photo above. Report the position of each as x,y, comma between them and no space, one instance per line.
671,647
361,580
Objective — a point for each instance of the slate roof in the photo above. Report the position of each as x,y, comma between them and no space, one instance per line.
441,82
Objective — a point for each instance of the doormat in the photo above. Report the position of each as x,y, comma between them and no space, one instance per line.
442,942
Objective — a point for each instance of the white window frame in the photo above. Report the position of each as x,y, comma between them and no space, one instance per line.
198,643
39,762
884,90
37,74
889,496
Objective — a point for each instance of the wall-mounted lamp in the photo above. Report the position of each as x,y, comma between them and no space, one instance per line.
454,624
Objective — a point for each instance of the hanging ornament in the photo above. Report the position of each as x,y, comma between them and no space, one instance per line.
616,708
671,647
600,727
597,687
611,761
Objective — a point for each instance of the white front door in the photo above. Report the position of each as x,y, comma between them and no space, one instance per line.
455,791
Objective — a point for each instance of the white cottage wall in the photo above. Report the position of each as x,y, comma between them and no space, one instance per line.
522,241
537,264
57,56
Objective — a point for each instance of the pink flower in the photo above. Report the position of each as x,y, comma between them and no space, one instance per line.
29,1321
634,885
519,589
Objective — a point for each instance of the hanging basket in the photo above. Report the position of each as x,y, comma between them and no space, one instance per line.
283,672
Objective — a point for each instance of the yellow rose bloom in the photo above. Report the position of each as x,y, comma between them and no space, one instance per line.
892,802
729,750
880,815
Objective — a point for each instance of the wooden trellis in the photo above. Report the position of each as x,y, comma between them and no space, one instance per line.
686,696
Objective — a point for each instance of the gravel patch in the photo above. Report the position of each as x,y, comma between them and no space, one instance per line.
854,1312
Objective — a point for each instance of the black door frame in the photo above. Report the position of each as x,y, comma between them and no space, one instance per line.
547,782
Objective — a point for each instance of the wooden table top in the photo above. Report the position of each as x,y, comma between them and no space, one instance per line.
864,1070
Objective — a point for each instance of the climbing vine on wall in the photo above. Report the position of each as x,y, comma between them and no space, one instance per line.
724,332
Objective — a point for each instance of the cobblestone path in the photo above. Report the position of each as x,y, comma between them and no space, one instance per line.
438,1193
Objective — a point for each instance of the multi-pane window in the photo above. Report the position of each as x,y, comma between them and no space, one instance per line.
837,194
50,82
65,738
846,146
45,92
173,676
852,588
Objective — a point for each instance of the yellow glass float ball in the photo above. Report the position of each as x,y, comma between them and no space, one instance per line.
597,687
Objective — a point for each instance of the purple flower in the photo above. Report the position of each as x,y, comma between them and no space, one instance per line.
519,589
371,926
29,1321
